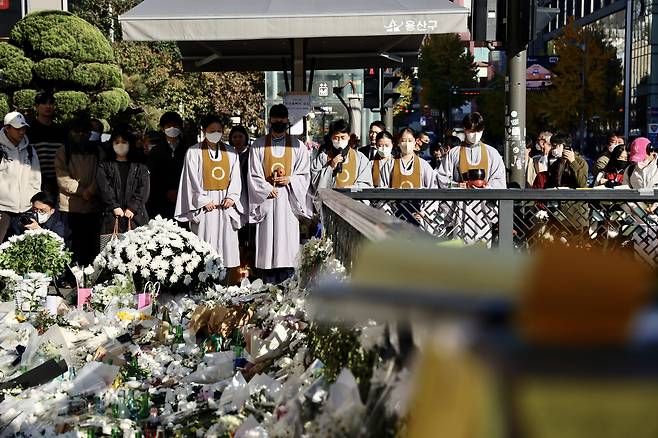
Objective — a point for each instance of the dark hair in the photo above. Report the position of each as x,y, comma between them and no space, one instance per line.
616,152
385,134
407,129
91,122
426,134
171,117
209,120
453,141
561,138
379,124
474,122
242,130
44,97
45,198
436,146
340,126
615,135
80,124
126,134
155,136
279,110
529,142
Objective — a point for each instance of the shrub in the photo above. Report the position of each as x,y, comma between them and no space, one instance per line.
4,104
55,34
97,76
69,103
109,103
24,99
35,251
54,69
15,68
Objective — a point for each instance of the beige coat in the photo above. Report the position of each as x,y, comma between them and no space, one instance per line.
73,178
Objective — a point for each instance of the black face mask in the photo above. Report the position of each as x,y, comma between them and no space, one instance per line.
620,164
279,127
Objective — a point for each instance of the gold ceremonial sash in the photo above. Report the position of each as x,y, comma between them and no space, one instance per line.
347,176
216,174
376,172
282,166
465,166
400,181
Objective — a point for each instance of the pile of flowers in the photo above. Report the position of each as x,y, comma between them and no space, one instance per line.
163,252
219,362
35,251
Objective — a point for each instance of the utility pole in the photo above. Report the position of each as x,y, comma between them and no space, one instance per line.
515,116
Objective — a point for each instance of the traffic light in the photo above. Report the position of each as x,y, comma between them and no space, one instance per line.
390,94
513,22
4,5
371,88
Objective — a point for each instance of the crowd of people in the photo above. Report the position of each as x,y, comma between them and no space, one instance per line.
247,198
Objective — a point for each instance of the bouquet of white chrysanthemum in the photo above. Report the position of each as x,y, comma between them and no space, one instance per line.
120,291
317,257
163,252
35,251
8,280
31,291
85,277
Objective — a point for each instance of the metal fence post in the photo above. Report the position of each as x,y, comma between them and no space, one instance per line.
506,225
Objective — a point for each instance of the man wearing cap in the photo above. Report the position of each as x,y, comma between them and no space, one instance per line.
47,137
20,172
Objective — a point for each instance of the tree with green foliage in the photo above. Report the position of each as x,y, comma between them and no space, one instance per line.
444,63
154,77
59,52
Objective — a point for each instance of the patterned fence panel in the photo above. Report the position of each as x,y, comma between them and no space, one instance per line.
614,220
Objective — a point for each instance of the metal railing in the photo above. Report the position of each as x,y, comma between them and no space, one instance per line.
349,224
615,220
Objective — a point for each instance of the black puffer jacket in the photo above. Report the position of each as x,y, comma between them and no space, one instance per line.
132,197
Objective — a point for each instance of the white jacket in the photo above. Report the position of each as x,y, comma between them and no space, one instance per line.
642,177
20,177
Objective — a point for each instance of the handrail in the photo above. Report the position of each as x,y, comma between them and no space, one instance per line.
503,194
372,223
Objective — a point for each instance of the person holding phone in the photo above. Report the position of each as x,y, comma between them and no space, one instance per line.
567,168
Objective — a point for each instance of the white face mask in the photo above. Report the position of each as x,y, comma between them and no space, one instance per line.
384,151
42,218
473,137
121,149
214,137
172,132
340,144
94,136
557,151
408,147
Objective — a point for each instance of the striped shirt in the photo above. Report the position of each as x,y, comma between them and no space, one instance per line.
46,140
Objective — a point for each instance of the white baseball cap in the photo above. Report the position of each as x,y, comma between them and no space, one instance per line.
15,119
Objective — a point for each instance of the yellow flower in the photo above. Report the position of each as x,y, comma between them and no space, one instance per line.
125,316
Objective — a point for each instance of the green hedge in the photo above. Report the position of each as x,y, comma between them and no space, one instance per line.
9,52
98,76
69,103
4,104
16,73
16,69
24,99
56,34
109,103
54,69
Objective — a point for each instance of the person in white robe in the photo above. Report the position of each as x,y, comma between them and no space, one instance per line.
472,165
209,192
341,166
279,177
384,154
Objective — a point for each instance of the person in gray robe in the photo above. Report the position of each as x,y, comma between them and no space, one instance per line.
472,165
210,190
279,176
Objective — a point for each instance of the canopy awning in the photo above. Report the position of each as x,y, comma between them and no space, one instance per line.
257,34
